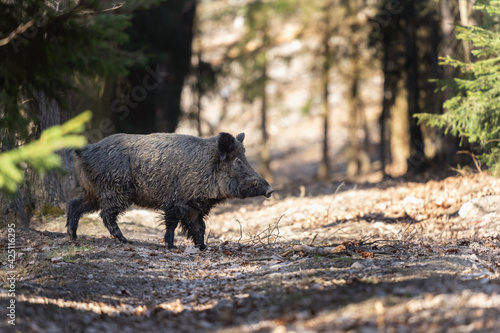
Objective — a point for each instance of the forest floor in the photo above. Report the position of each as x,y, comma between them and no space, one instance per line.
396,257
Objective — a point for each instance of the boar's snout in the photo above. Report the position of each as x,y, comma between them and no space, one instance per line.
254,187
264,188
269,191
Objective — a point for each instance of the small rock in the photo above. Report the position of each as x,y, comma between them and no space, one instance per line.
478,208
357,265
191,250
411,200
280,329
123,291
55,260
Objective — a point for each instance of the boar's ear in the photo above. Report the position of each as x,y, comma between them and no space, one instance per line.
225,145
240,137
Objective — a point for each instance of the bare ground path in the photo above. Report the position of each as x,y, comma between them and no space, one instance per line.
404,261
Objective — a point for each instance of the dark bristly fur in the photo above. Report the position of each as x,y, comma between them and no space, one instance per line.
181,175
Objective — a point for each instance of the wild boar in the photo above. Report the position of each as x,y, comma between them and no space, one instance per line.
181,175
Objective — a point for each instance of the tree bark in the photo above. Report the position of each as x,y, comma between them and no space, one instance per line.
324,165
49,193
358,159
416,162
265,154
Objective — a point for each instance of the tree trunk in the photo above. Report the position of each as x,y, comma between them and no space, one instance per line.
198,85
324,166
358,159
416,162
199,94
399,128
463,6
265,154
385,115
49,193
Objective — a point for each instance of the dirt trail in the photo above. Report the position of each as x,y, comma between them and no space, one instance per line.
408,262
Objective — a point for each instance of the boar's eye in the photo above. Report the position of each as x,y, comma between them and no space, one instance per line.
238,163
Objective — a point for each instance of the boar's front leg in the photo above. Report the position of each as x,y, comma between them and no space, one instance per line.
172,216
169,234
195,226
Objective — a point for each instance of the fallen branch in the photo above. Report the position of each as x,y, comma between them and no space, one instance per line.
19,31
260,259
315,250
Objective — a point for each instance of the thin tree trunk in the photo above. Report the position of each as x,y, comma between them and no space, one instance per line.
463,6
324,166
417,155
50,192
384,116
447,22
265,154
354,149
198,85
199,95
399,128
358,159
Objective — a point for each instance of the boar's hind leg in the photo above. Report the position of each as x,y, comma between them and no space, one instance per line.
76,208
109,217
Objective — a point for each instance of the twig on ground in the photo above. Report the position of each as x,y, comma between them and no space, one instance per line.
476,162
315,250
275,227
260,259
332,233
314,238
221,248
331,201
241,232
270,234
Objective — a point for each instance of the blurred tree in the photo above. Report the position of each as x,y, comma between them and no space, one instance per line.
341,25
472,111
45,47
45,43
148,100
202,80
263,19
324,167
409,36
356,32
41,156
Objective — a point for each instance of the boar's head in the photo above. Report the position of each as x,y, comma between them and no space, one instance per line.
238,179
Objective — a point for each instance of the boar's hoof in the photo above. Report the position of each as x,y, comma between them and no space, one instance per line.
121,239
171,247
202,247
72,234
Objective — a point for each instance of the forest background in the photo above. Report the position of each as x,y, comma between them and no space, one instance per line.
326,89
